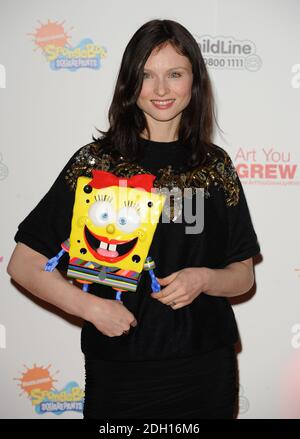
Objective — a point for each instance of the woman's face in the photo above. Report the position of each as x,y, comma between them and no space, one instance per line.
167,85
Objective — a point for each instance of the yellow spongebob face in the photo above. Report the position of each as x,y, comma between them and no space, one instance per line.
114,226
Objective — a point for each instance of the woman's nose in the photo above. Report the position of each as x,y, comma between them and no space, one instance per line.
161,87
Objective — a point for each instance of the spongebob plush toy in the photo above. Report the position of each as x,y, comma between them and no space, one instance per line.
113,224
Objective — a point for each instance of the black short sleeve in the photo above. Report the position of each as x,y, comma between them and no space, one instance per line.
242,240
49,223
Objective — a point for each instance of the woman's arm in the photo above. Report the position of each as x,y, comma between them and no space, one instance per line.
233,280
26,267
183,286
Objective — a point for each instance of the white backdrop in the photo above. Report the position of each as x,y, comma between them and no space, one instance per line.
47,113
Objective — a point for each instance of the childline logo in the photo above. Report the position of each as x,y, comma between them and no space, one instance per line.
53,40
266,166
2,76
38,383
223,52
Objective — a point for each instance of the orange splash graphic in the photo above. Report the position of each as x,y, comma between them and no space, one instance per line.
52,33
37,377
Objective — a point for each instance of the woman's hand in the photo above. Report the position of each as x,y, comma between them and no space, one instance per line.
110,317
182,286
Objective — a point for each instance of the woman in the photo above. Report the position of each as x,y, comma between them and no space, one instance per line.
168,354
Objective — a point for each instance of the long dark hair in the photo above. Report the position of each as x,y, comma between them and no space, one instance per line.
127,120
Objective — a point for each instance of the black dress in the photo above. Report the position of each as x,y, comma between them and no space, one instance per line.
174,363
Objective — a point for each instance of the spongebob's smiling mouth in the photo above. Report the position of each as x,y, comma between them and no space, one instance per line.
109,250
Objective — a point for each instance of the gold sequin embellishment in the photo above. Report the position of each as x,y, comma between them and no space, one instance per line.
219,171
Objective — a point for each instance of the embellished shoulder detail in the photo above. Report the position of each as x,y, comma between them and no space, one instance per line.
86,160
218,171
91,157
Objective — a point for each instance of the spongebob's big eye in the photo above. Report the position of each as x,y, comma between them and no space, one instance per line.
102,213
128,219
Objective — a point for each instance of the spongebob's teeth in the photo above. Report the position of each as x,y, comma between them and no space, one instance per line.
103,245
112,247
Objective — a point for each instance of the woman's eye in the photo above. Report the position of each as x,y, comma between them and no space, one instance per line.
102,213
177,75
128,219
173,74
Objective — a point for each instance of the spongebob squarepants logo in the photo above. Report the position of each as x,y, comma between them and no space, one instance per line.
53,40
38,383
